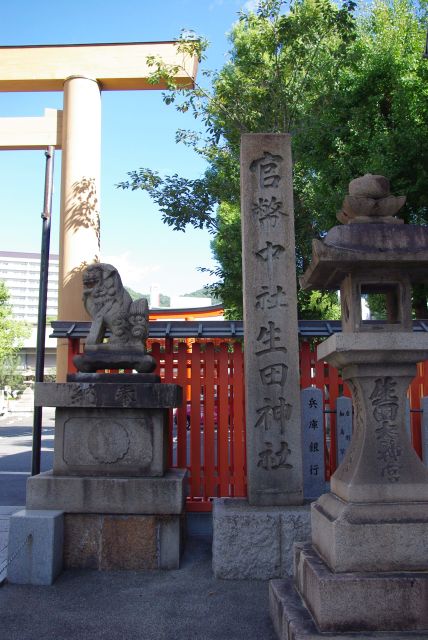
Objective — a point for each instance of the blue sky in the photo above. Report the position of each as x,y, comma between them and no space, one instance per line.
138,130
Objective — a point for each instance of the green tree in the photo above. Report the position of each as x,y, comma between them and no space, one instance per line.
374,119
351,90
12,334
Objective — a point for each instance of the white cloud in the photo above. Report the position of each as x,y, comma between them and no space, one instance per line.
250,5
133,275
215,4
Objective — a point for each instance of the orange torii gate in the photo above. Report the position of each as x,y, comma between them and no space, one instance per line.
81,72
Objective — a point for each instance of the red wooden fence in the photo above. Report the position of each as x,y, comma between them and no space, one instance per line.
212,377
213,449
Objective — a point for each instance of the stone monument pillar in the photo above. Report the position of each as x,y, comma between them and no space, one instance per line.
123,508
252,538
273,424
367,567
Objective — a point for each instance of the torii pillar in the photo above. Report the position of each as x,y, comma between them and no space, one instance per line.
82,72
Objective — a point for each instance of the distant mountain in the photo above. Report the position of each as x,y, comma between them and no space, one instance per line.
164,301
203,293
200,293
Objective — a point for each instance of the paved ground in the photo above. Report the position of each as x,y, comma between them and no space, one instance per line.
15,455
186,604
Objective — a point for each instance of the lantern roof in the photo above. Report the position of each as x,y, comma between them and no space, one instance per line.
371,239
383,248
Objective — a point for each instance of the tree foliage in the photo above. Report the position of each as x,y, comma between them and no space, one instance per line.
12,334
351,87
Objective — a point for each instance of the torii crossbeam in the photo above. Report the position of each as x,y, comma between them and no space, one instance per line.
82,72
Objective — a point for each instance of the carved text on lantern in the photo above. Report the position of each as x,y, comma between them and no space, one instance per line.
385,407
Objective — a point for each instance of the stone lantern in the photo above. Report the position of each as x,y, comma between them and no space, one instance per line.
367,567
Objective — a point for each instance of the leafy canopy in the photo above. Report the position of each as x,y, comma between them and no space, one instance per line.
352,88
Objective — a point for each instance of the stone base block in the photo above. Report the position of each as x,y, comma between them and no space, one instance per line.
110,441
108,390
256,542
292,620
109,378
151,496
35,547
371,536
110,428
367,601
112,542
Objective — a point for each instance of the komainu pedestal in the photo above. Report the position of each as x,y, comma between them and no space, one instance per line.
366,571
124,509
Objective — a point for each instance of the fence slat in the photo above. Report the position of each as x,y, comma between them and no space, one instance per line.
414,395
425,430
73,350
305,365
182,453
223,420
216,456
238,421
210,483
424,376
195,420
169,378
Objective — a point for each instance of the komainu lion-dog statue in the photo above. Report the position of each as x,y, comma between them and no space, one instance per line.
120,326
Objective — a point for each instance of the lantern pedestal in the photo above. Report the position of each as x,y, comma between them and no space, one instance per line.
345,606
366,569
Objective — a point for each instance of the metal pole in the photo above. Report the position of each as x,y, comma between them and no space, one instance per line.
43,295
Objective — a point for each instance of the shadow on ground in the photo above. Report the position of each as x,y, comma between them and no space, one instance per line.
186,604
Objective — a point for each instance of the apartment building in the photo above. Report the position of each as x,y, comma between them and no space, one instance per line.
21,274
